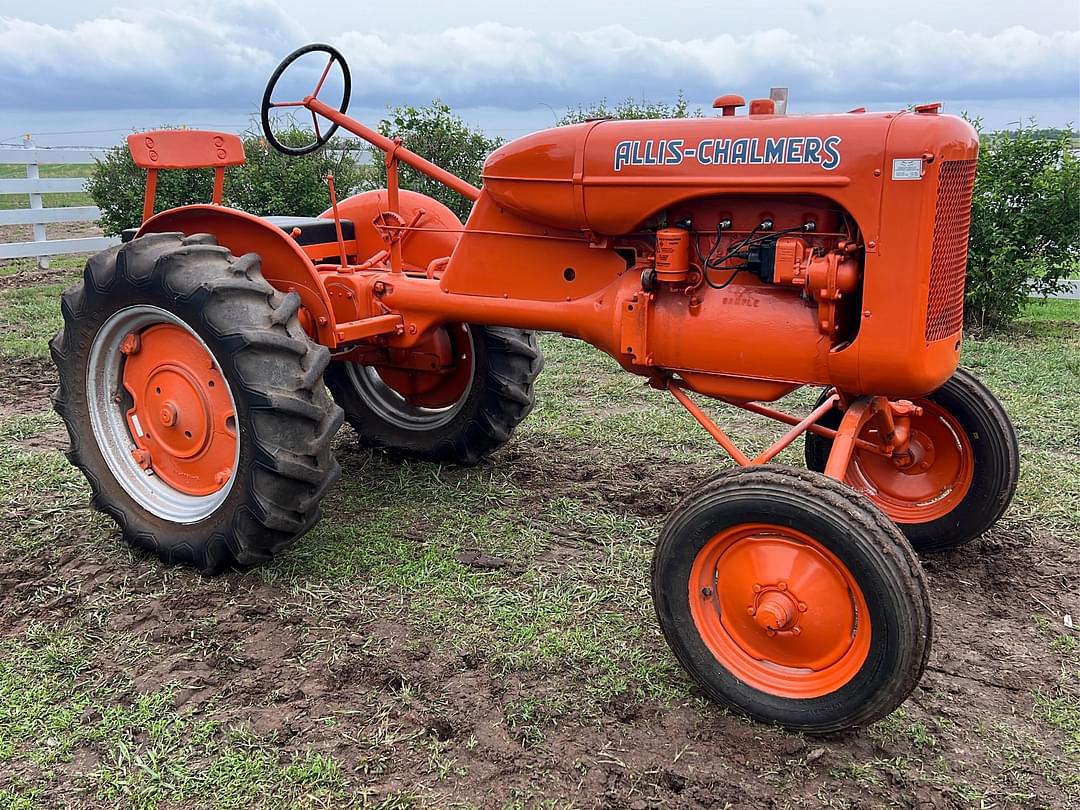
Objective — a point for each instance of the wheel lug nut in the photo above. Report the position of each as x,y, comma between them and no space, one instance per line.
782,586
757,588
802,607
131,343
770,633
750,609
142,457
796,631
222,476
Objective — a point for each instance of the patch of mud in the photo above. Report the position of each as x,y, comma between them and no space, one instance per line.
555,467
26,384
33,277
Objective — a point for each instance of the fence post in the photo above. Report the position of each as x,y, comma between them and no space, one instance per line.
35,201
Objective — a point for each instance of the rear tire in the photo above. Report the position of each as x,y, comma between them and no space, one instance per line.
790,599
497,396
974,435
269,434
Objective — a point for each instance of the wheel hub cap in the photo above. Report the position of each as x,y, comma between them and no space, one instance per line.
779,610
776,610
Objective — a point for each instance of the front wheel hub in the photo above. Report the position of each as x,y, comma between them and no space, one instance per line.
776,611
779,610
929,480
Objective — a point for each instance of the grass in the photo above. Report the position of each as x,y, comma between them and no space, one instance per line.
51,703
53,200
565,626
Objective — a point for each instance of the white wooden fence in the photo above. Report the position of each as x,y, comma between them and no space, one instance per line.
36,215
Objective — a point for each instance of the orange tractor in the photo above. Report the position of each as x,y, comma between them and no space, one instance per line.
735,257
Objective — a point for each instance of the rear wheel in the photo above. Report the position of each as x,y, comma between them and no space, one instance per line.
791,600
194,402
458,413
961,473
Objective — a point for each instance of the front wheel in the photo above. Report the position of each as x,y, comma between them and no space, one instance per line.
479,387
790,599
960,476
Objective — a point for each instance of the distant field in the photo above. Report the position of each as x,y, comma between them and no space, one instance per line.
62,200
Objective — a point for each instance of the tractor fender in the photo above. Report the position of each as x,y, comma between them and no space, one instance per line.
439,227
284,263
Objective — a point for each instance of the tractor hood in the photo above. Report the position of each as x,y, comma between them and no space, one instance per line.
608,177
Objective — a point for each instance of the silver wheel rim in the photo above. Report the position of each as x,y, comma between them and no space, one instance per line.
108,419
392,406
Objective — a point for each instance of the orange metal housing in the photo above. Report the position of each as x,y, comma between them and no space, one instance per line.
870,212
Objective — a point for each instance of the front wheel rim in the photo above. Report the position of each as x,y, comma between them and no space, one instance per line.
779,611
162,414
927,483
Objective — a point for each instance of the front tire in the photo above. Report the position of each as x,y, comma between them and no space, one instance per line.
194,402
790,599
459,418
964,467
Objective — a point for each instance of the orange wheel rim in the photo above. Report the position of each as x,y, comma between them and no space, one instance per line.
927,483
182,418
449,347
779,611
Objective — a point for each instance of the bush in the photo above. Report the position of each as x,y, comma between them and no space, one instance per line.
630,109
1025,223
268,183
272,183
434,132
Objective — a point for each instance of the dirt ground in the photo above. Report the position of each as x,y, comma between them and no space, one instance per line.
483,638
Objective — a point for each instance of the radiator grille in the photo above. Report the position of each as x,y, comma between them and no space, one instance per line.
948,257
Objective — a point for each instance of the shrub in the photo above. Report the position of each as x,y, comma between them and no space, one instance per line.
1025,225
116,186
268,183
629,109
272,183
434,132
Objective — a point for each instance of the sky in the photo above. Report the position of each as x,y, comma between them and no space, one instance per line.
87,72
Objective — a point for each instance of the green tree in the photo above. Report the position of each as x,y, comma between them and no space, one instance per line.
1025,224
631,109
267,183
434,132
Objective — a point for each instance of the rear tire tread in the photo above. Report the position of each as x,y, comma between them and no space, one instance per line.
276,363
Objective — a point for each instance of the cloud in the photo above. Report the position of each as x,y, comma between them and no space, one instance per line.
219,56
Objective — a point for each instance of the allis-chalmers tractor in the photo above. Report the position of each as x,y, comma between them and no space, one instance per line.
734,257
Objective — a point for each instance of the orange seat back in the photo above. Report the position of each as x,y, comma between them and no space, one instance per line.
184,149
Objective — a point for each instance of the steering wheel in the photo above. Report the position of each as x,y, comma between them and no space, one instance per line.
268,104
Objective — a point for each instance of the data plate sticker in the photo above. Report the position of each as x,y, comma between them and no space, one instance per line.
907,169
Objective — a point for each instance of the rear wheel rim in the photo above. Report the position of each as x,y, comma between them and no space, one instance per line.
925,485
162,413
779,611
393,407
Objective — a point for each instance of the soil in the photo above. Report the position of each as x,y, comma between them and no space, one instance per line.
26,385
256,663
